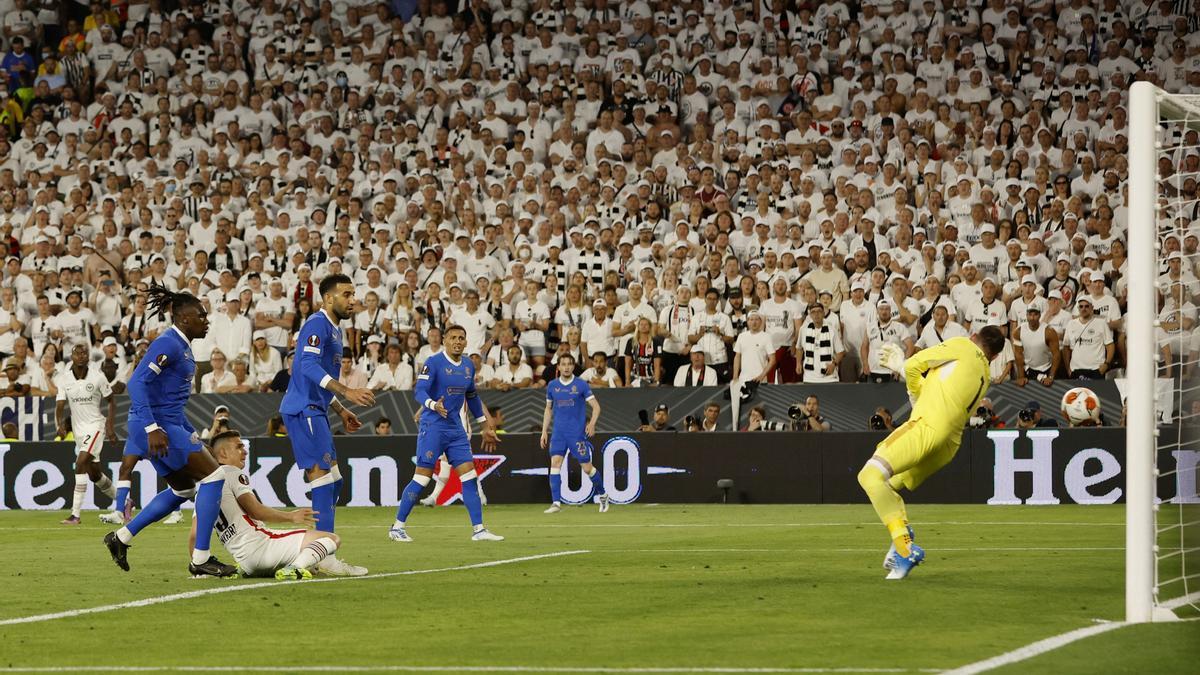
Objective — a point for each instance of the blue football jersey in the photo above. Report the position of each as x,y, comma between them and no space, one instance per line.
441,378
318,359
569,407
162,382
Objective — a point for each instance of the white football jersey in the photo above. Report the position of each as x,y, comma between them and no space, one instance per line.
84,396
239,533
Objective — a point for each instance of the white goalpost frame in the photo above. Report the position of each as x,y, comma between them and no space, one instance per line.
1147,106
1141,432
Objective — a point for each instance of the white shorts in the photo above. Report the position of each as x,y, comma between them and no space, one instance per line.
275,549
89,440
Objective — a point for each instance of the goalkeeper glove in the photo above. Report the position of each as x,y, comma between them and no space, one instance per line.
891,357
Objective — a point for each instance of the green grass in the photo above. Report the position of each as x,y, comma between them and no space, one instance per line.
660,586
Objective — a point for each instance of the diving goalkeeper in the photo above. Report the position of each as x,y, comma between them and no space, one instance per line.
945,384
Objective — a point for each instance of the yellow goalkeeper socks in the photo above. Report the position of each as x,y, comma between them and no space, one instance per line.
898,528
888,505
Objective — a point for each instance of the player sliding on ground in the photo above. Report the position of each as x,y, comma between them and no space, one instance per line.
158,394
446,382
565,398
259,552
87,391
310,394
945,384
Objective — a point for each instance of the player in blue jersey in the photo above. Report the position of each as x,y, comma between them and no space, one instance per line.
446,383
158,393
309,397
566,396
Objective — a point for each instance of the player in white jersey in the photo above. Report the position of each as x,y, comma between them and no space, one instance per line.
259,551
86,391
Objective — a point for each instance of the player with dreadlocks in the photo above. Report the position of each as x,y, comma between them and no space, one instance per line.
158,393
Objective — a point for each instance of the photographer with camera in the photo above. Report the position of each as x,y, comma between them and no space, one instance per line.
1030,417
807,416
759,421
985,416
660,422
881,420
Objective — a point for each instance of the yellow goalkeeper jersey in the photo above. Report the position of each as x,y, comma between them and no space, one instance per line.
947,382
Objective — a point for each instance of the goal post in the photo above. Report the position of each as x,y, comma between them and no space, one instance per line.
1158,123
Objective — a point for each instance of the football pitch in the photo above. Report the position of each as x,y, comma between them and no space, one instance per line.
642,588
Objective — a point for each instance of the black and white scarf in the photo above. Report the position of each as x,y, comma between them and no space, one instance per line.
817,344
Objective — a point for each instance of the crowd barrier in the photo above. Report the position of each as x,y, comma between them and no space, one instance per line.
1041,466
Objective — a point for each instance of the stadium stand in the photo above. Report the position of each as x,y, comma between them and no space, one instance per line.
641,184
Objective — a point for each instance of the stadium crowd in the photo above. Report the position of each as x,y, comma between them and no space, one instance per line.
676,193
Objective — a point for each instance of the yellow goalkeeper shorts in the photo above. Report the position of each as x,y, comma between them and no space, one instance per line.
916,449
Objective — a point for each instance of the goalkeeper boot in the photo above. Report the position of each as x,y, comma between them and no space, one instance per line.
889,560
904,565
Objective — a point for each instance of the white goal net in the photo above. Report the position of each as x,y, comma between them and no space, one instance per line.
1163,445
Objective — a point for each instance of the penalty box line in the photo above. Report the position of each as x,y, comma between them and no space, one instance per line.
188,595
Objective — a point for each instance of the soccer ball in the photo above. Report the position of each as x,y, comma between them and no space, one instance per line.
1081,407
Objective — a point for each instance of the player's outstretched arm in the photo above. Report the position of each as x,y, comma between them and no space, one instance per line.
259,511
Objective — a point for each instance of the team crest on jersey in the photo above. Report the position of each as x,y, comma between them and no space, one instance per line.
243,479
314,340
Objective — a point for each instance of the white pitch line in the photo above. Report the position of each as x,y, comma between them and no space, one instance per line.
437,669
856,550
158,600
1035,649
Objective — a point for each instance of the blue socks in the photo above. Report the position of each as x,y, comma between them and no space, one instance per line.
323,499
597,481
160,507
408,499
208,506
122,496
470,497
555,485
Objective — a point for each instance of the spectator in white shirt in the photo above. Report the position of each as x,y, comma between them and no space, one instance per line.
394,374
696,374
231,332
219,379
515,374
600,375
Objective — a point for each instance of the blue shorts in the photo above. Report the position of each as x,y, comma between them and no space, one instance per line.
312,442
579,447
132,449
435,439
182,441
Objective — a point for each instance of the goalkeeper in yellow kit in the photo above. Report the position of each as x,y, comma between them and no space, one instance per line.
945,384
